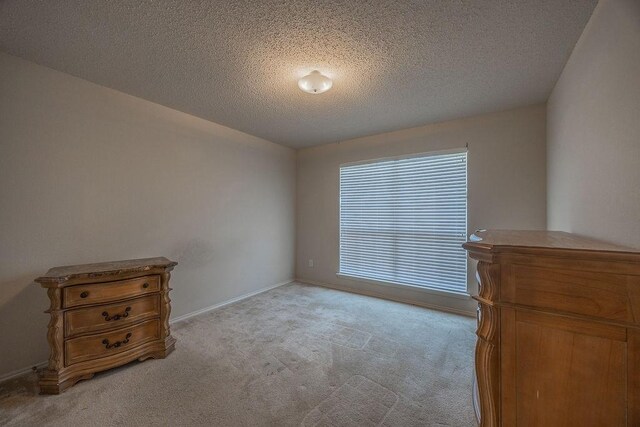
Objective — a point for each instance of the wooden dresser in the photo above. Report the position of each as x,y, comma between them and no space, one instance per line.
558,330
103,316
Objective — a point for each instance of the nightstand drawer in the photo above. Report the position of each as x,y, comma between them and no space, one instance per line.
598,294
110,316
109,343
97,293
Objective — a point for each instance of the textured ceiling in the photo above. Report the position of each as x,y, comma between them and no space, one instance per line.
395,64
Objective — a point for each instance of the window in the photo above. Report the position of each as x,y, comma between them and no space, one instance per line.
403,221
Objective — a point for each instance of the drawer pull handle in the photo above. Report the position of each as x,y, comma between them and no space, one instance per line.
84,294
116,316
117,343
146,285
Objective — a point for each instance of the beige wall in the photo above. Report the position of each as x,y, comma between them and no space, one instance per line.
506,175
594,130
90,174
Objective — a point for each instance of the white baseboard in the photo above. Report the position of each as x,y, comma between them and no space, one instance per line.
19,372
227,302
374,294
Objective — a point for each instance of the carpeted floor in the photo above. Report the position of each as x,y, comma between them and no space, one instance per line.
297,355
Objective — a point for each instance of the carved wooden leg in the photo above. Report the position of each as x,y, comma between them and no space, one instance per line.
162,353
633,340
165,312
55,333
487,347
51,384
487,365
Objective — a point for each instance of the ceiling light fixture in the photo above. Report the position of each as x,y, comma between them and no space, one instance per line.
315,83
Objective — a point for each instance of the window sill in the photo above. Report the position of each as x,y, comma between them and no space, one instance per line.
458,295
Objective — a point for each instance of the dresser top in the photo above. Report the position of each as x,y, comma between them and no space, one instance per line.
66,273
495,240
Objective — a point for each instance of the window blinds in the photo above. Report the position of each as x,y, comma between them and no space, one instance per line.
403,221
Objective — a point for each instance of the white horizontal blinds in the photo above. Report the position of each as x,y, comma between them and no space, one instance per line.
404,221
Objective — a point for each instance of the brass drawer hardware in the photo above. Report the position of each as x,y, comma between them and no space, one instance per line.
117,343
116,316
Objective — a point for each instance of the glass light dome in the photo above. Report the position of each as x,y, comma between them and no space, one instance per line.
315,83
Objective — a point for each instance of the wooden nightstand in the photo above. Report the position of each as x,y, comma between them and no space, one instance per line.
105,315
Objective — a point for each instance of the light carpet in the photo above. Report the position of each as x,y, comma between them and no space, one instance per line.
297,355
